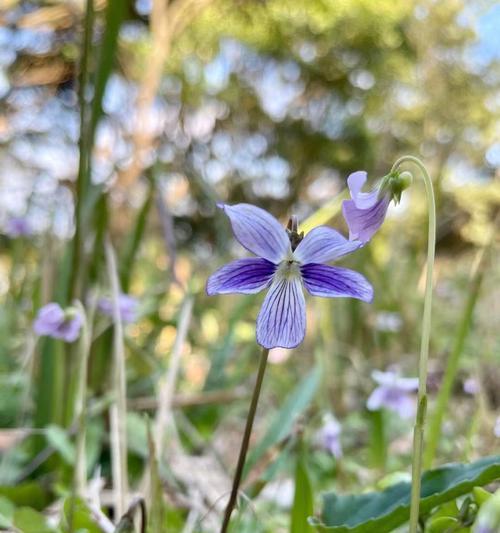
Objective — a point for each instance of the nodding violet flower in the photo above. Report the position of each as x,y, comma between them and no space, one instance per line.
365,212
393,393
57,323
286,263
127,305
329,436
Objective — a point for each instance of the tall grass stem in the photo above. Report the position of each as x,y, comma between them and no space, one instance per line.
118,409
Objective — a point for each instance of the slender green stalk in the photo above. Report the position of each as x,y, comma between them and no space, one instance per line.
246,439
80,474
452,364
418,433
85,148
118,410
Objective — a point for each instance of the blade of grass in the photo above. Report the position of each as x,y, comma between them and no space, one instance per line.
302,507
118,410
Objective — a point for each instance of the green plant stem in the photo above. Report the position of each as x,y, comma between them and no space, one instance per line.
246,439
85,148
418,433
452,364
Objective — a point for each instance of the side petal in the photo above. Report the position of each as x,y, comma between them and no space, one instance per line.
282,318
335,282
376,400
258,231
363,223
245,276
362,200
324,244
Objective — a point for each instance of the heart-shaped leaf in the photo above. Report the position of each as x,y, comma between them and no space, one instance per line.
384,511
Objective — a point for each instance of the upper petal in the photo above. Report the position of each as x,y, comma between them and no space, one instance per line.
246,276
376,399
282,318
258,231
332,282
324,244
363,223
48,319
362,200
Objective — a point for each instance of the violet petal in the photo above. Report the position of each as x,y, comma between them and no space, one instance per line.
282,318
258,231
336,282
324,244
245,276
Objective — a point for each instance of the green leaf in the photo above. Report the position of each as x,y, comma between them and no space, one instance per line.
481,495
30,521
442,524
29,493
79,516
6,513
58,439
384,511
284,420
303,498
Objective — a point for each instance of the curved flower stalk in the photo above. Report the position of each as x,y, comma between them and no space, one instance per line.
287,261
53,321
366,211
364,215
418,434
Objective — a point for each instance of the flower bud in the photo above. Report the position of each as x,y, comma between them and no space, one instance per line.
395,183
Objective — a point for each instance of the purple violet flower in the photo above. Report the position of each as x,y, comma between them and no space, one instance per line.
471,386
329,436
393,393
53,321
128,306
365,212
18,227
286,263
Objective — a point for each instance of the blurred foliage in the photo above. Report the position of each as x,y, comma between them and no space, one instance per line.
271,102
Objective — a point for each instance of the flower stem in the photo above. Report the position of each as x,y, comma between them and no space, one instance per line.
418,433
246,439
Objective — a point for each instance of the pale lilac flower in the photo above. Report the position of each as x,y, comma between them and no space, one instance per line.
471,386
54,322
365,212
127,304
394,393
286,263
18,227
329,436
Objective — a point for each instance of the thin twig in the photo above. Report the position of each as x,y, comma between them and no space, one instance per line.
118,410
